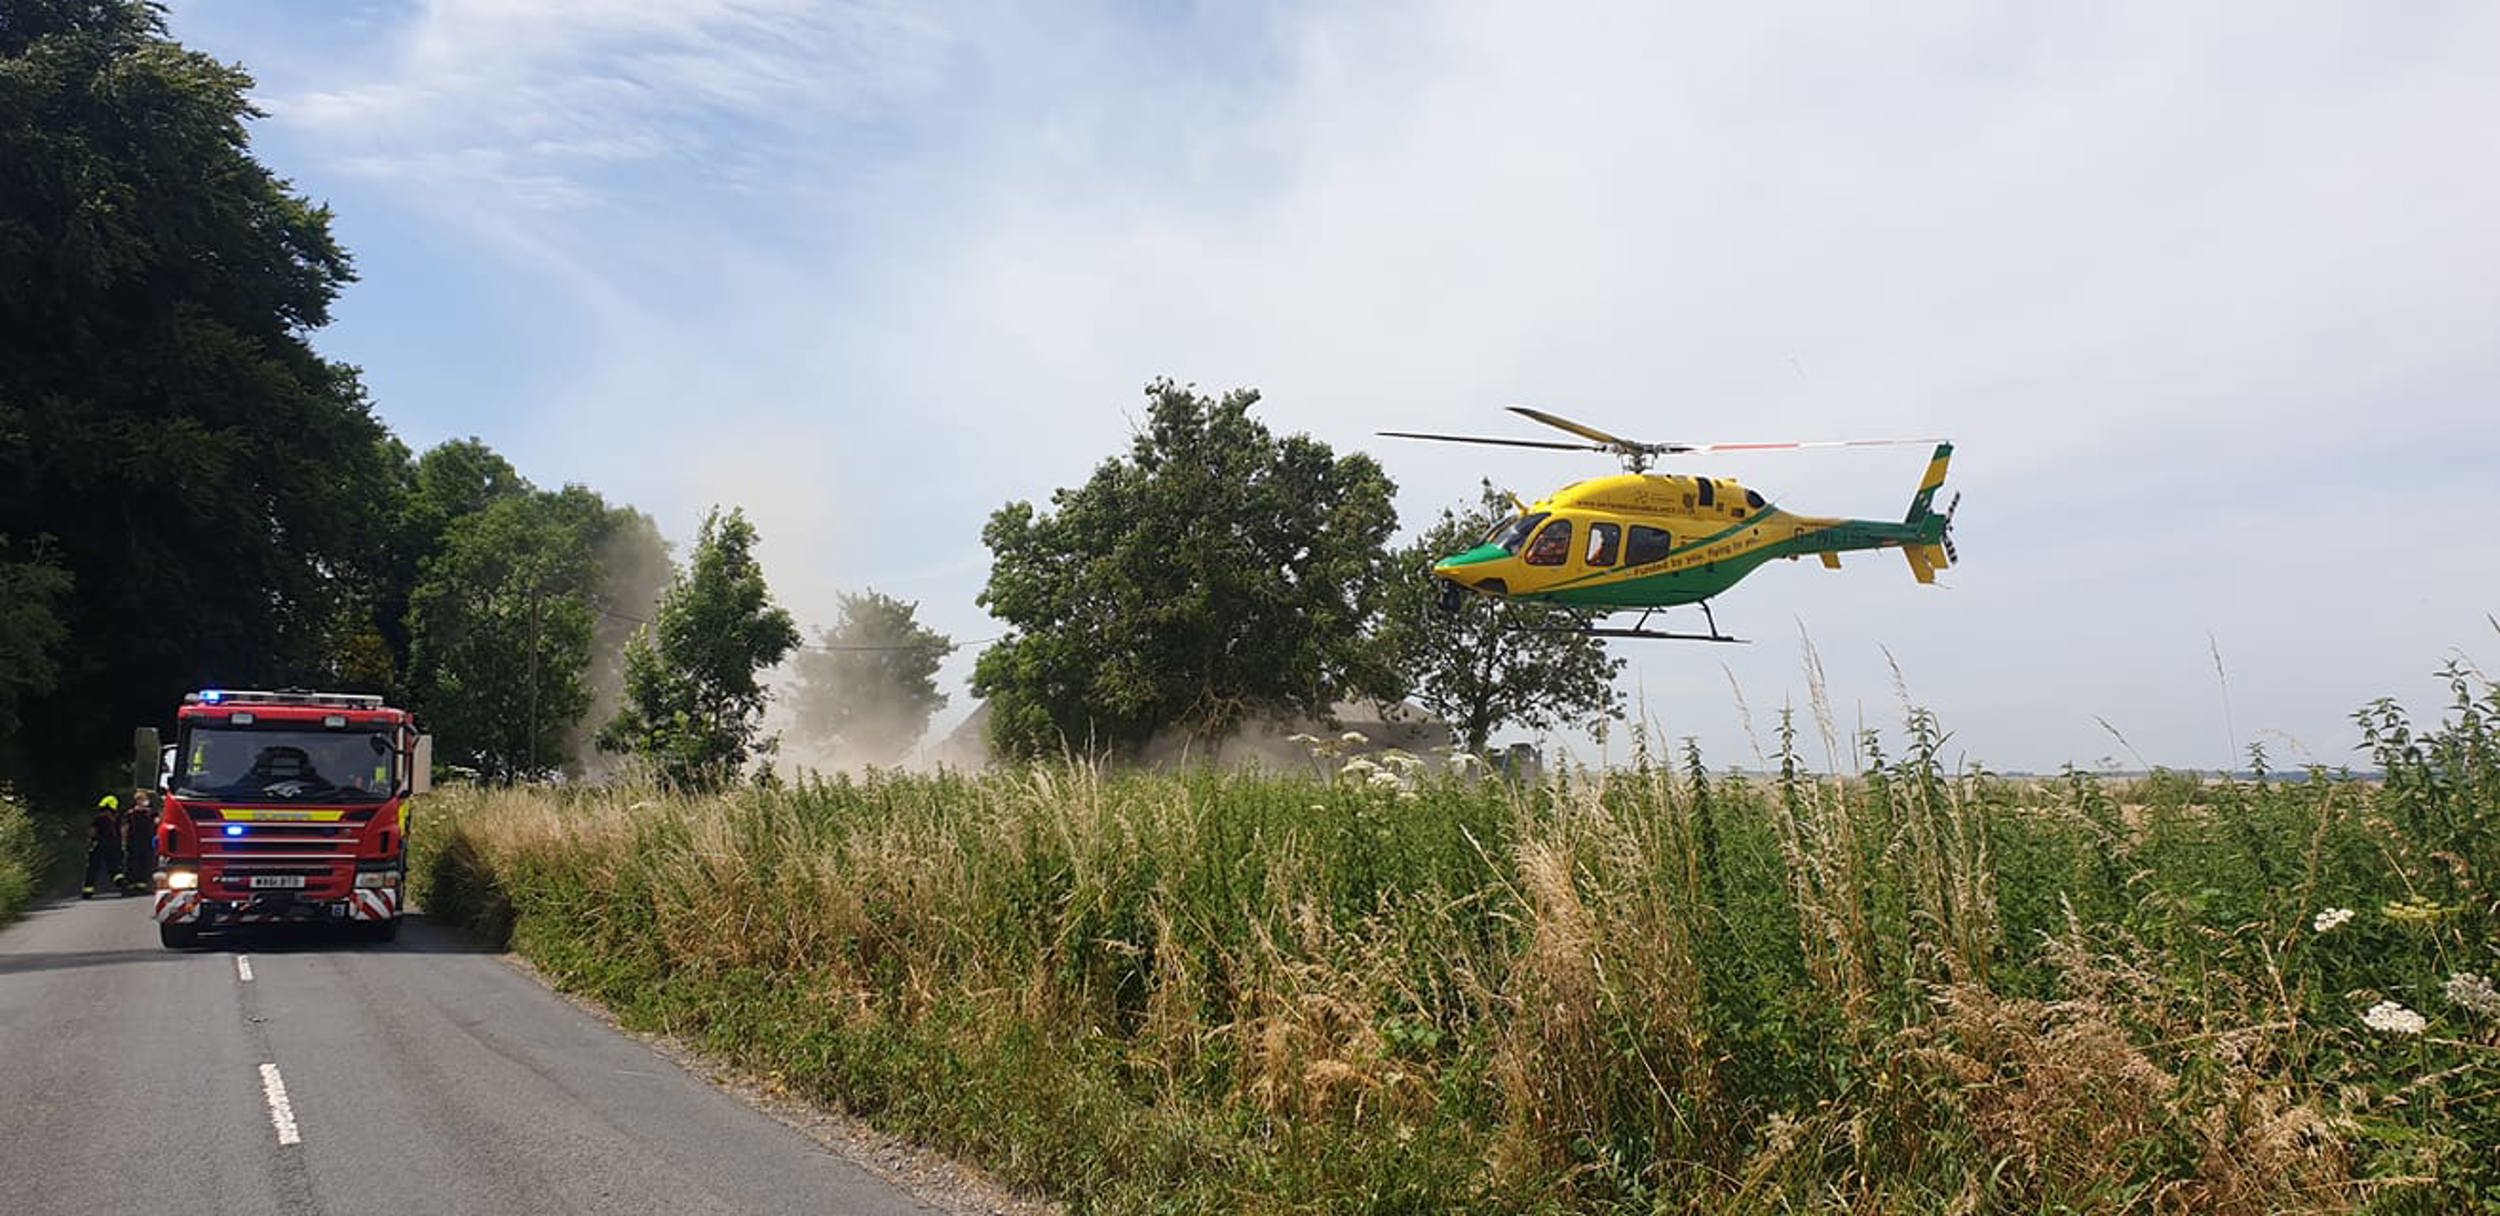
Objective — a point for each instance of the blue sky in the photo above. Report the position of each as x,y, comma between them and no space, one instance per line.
2208,295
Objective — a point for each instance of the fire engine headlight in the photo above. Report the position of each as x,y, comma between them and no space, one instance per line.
182,880
377,878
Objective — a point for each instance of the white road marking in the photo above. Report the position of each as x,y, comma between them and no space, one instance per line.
281,1114
243,967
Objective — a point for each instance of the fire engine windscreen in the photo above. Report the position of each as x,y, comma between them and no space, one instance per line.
278,764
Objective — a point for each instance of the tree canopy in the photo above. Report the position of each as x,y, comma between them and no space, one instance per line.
1491,666
502,625
1214,573
694,698
186,485
868,690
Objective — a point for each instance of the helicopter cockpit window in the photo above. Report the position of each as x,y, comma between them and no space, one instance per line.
1552,546
1604,540
1708,489
1510,534
1753,498
1648,545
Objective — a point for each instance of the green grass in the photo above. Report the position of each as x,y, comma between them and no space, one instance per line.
1656,989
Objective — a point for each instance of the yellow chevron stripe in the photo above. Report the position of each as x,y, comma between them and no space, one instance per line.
1935,472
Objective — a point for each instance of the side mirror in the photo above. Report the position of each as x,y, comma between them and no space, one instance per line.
145,754
421,766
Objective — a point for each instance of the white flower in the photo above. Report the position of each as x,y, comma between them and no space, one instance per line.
1359,767
1305,739
2392,1018
2473,993
1387,781
1354,737
2331,919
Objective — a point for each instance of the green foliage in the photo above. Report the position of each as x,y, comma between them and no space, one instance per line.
165,431
869,690
31,633
502,629
693,699
1489,666
1214,573
21,858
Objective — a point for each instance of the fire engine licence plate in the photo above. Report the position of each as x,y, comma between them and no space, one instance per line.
260,881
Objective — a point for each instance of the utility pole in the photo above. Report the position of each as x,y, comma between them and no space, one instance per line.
531,747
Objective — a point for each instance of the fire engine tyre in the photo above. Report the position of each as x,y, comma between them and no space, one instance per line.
178,937
378,930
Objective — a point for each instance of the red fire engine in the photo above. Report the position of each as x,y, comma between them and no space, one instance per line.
287,806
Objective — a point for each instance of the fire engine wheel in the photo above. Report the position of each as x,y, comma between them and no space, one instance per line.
377,930
178,937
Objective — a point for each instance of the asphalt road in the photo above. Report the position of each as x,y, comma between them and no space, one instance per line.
294,1072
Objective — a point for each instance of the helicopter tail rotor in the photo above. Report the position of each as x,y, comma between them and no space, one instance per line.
1952,556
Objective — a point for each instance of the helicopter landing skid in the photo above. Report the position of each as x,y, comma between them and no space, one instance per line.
1639,630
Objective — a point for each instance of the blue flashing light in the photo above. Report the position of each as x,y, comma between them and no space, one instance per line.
213,696
234,829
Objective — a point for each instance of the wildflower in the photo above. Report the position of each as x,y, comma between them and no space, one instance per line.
1359,767
1386,780
1304,738
2473,993
1354,738
2331,919
2391,1018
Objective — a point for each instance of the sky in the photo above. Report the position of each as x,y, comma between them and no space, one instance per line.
2207,295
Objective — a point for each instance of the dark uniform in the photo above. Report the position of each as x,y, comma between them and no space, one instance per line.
104,846
139,845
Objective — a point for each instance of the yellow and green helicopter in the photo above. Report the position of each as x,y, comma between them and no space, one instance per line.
1643,541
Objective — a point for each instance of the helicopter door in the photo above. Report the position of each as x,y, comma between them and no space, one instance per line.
1605,544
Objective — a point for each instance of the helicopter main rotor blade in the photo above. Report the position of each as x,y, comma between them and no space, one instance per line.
1790,447
1507,443
1585,431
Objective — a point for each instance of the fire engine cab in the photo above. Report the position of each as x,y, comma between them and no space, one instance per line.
286,807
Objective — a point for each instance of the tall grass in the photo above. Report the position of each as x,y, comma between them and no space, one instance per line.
1661,988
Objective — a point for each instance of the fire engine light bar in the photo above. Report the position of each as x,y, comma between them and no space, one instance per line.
234,829
236,696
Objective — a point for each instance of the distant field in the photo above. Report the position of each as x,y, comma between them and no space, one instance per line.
1648,990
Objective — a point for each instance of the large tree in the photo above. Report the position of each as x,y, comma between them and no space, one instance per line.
693,696
502,624
169,441
1492,665
867,692
518,618
1214,573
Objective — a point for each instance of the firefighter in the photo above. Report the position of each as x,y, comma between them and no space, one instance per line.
139,844
104,845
